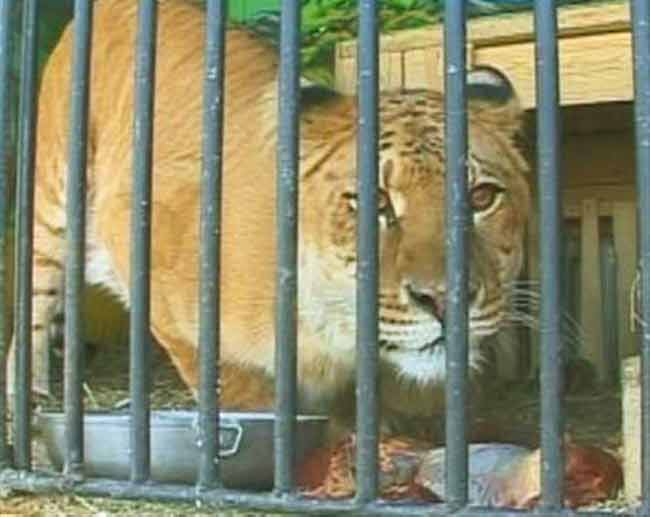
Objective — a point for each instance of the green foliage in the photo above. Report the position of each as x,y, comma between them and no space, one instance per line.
326,22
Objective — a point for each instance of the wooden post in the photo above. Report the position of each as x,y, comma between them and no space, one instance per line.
591,299
624,218
631,407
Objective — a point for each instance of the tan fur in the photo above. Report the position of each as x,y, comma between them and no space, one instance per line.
412,247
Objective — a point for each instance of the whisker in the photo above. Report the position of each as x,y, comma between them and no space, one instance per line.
571,325
535,305
533,298
525,301
565,316
523,282
568,323
533,323
570,343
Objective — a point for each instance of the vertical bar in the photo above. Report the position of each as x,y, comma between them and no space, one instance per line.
6,53
76,236
608,270
640,14
24,217
548,160
140,338
287,231
458,225
367,251
213,97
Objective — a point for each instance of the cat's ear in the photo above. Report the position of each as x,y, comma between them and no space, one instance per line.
491,95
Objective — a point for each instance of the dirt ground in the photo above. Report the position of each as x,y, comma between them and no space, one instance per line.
63,506
593,418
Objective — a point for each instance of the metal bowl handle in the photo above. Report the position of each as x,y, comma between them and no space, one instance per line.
234,449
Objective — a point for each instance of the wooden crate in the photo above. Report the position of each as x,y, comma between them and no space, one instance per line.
594,44
588,210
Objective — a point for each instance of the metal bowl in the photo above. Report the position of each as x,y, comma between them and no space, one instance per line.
246,441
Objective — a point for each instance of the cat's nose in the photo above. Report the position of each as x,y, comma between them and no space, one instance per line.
434,300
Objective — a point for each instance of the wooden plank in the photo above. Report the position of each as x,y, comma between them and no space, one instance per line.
631,407
345,75
591,297
508,28
593,68
595,52
391,69
607,196
423,68
624,219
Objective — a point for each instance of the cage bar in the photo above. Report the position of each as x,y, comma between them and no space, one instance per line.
139,338
6,53
548,169
25,234
458,225
75,237
640,15
367,252
213,98
220,499
287,247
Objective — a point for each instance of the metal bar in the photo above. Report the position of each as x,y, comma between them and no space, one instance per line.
24,218
287,247
76,237
140,338
640,15
458,226
213,98
6,53
367,252
265,502
548,163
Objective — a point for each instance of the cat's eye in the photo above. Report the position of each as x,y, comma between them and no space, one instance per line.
386,209
351,199
483,196
384,205
383,202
